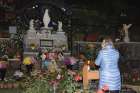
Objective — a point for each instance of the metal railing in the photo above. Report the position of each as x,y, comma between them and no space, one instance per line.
130,51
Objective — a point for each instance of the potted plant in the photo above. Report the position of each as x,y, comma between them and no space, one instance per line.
1,84
9,84
5,85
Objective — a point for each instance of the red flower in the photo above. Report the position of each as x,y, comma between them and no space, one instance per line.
77,77
105,88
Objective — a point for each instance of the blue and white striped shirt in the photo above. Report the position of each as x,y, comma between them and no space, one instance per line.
107,59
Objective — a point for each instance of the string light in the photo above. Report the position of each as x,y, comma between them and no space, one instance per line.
35,6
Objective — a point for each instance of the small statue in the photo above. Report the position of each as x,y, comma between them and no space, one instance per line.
46,18
60,26
125,29
31,24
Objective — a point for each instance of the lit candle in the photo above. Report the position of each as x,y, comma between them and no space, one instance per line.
88,62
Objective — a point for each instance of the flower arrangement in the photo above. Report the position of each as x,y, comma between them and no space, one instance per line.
46,82
27,61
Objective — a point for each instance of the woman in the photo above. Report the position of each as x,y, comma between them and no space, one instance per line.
107,59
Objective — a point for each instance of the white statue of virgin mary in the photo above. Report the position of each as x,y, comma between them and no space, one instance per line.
46,18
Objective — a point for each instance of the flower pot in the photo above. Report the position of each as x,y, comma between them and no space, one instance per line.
9,85
15,85
1,85
5,85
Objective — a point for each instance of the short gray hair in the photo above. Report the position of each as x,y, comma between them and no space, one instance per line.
106,42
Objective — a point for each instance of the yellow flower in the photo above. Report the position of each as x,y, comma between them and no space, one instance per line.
27,61
32,45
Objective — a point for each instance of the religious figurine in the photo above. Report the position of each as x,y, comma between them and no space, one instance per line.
46,18
126,33
31,25
60,26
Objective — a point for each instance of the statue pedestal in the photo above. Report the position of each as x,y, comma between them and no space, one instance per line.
31,38
31,33
45,33
59,39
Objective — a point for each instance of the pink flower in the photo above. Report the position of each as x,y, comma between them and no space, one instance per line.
77,78
54,82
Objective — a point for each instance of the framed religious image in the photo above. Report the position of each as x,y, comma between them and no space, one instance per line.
46,43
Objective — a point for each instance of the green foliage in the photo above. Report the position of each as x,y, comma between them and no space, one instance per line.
49,83
67,84
39,86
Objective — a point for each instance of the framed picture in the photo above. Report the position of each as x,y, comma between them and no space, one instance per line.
46,43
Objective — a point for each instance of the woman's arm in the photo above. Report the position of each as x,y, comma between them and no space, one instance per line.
98,59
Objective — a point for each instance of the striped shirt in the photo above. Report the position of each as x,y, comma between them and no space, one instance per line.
107,59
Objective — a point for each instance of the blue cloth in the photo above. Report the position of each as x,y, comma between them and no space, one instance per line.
108,59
